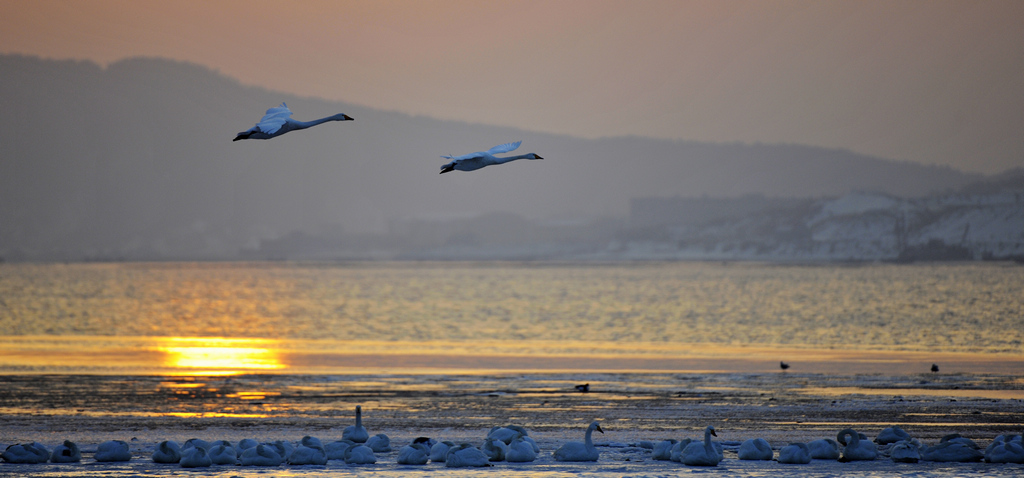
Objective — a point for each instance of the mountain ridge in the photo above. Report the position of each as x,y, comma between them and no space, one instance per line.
136,158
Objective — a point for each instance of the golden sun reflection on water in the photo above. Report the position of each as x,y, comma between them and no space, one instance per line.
220,356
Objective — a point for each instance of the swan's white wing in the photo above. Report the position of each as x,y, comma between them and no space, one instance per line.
274,119
504,148
478,154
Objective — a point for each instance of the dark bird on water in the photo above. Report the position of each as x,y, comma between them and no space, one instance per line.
783,365
583,388
935,367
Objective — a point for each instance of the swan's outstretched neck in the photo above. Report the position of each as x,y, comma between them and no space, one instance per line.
310,124
513,158
359,416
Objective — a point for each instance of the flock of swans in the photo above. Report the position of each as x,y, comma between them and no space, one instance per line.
277,121
512,443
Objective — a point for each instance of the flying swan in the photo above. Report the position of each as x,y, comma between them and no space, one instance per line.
278,121
479,159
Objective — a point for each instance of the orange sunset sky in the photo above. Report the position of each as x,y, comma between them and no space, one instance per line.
936,82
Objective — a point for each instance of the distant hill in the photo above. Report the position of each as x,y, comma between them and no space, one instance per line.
136,161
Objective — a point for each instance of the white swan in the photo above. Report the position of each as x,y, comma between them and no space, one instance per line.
676,454
379,443
824,449
795,454
67,452
663,449
246,443
336,449
439,451
495,449
755,449
507,433
113,450
891,435
356,433
480,159
221,454
196,442
261,455
521,450
195,457
167,451
1005,449
415,453
283,448
952,451
465,455
856,448
309,452
278,121
26,453
576,451
905,452
702,454
360,455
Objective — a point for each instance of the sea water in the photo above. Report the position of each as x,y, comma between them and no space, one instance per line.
280,350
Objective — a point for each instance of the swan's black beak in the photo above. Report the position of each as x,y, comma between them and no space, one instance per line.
599,429
713,433
538,156
346,118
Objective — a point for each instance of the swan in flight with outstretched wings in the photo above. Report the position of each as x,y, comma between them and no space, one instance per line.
278,121
479,159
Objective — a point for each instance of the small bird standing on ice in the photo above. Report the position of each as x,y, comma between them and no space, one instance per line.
783,365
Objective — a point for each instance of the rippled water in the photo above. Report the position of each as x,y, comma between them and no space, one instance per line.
641,311
280,350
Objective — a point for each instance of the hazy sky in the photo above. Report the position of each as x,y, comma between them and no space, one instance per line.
936,82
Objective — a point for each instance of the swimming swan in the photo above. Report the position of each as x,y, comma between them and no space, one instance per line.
521,450
755,449
576,451
856,448
702,454
167,451
415,453
261,455
66,453
113,450
356,433
795,454
480,159
26,453
278,121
